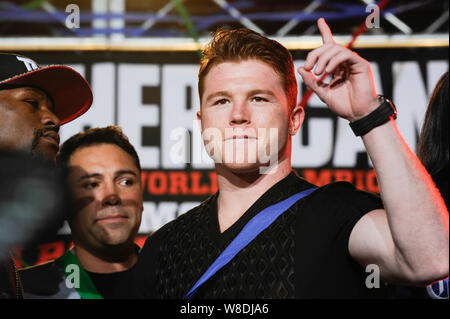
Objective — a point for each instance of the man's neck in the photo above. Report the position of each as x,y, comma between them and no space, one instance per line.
117,260
238,191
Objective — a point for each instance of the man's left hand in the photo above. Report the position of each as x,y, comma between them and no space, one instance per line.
351,93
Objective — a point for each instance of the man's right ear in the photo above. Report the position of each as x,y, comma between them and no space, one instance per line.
199,119
296,119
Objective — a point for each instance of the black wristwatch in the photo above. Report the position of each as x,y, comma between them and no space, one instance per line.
381,115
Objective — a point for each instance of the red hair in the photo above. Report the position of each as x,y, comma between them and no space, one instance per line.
245,44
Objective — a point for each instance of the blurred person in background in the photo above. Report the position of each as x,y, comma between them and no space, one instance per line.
433,147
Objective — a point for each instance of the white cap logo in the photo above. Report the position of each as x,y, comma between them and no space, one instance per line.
29,64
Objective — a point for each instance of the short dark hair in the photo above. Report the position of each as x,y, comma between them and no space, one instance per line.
244,44
94,136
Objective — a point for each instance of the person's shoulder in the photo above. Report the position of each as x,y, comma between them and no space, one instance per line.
44,268
345,188
344,194
185,219
177,227
42,279
335,209
339,186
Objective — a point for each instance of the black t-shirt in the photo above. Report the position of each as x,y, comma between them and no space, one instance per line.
110,286
303,254
48,281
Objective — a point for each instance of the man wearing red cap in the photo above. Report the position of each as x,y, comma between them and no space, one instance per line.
34,102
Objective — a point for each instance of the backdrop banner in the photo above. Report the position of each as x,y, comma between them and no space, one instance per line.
153,97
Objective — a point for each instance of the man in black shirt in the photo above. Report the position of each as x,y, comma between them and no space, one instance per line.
303,254
103,177
320,245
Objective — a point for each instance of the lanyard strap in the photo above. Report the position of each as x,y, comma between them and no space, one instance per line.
86,288
255,226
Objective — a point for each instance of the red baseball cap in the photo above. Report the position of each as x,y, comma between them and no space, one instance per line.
70,92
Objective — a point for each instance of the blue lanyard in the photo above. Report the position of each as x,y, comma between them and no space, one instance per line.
255,226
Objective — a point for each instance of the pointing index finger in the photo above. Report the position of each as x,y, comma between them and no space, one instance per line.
325,32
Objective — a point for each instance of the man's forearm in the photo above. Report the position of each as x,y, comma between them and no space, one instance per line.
417,216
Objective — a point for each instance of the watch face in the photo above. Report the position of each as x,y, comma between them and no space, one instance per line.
394,109
383,100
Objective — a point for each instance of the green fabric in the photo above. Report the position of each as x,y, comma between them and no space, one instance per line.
87,289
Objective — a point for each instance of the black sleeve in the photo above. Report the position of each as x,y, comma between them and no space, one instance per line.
324,267
342,206
145,271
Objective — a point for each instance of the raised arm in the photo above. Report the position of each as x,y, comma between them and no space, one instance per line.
409,239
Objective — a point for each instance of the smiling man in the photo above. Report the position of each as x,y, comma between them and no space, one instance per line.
34,102
105,186
268,233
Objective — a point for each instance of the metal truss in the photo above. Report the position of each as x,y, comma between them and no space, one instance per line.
178,24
